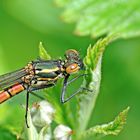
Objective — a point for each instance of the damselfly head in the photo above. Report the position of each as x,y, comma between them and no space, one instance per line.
72,54
73,62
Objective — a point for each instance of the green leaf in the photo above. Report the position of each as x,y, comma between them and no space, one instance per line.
103,17
92,62
45,133
43,53
94,55
31,132
112,128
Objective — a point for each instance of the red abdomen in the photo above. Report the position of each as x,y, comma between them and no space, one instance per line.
10,92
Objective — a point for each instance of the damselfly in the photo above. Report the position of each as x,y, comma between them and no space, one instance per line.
41,74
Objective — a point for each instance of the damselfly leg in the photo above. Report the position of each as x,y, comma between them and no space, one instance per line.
27,105
38,96
66,83
77,77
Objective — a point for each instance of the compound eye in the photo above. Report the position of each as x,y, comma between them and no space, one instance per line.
71,54
72,68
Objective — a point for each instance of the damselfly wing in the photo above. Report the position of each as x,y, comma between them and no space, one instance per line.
12,78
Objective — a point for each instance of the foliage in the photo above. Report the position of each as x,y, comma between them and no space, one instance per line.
86,102
102,17
111,128
92,81
42,53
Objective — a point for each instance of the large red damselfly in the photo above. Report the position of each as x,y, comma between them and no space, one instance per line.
41,74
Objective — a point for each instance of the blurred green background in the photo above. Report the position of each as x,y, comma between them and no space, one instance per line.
23,24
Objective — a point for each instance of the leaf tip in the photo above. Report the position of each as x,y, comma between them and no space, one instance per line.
43,53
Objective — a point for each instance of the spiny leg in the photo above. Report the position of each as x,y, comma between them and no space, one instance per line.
67,99
40,87
64,88
66,83
30,90
38,96
27,105
77,77
74,79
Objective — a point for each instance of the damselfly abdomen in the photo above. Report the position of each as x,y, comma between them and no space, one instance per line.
41,74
